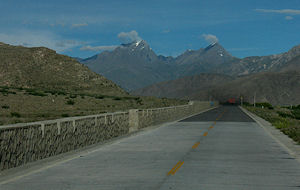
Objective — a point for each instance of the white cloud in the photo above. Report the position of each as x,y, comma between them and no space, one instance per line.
210,38
280,11
79,25
37,39
124,37
289,18
128,37
98,48
166,31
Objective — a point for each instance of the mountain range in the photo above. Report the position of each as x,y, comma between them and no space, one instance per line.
134,66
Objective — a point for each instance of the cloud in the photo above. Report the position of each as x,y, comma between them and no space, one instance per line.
66,43
79,25
98,48
280,11
210,38
128,37
166,31
124,37
289,18
38,38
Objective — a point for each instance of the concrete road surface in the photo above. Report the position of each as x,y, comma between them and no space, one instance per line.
220,149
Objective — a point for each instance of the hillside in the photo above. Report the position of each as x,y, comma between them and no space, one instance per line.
183,87
42,68
277,88
38,84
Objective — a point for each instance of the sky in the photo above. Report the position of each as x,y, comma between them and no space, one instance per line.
83,28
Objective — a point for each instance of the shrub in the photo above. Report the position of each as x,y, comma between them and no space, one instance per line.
117,98
65,115
285,115
99,97
5,92
70,102
247,104
73,95
5,107
265,105
296,113
15,114
34,93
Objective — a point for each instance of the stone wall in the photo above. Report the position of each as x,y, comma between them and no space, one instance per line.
24,143
148,117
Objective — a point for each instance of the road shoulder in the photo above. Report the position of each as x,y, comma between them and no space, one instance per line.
287,143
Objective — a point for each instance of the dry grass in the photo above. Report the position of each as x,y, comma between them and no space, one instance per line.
282,118
25,105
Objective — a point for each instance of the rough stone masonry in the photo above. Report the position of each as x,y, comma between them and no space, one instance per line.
27,142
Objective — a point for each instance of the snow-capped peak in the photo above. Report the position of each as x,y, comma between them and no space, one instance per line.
213,44
137,43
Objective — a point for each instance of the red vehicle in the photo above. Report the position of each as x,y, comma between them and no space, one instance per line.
231,100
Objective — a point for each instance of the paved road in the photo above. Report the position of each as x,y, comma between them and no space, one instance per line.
220,149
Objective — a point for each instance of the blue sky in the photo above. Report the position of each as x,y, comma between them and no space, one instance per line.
83,28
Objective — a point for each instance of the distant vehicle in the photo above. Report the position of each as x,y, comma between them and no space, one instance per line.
231,101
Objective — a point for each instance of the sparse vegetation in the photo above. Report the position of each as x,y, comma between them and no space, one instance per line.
65,115
73,96
285,119
70,102
264,105
51,82
15,114
5,107
56,104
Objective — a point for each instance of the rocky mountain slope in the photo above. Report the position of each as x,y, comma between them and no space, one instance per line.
43,68
208,60
131,65
135,65
257,64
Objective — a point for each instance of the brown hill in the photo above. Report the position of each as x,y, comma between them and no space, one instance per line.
43,68
183,87
278,88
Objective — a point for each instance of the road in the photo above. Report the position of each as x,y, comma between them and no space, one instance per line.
219,149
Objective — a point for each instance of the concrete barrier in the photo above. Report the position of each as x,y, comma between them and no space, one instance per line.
27,142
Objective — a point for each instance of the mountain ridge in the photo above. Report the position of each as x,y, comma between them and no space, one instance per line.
133,68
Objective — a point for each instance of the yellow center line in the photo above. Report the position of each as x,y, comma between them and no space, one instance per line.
196,145
177,168
172,170
205,134
219,117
